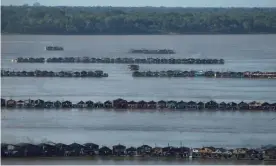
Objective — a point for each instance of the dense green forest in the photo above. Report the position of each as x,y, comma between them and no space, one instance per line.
136,20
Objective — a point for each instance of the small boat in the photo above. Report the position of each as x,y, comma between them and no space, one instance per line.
133,67
54,48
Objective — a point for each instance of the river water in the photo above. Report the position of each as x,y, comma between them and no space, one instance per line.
107,127
141,161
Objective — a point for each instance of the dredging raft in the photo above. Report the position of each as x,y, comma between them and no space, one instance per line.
150,105
91,149
54,48
207,74
134,67
118,60
44,73
151,51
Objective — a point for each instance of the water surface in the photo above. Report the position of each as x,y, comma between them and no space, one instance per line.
227,129
134,128
241,52
81,161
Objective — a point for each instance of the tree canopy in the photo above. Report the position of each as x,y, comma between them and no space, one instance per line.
136,20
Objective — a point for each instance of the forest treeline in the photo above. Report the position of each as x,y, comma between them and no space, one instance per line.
136,20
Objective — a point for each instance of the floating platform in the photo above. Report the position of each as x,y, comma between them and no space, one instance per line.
133,67
54,48
172,152
207,74
149,51
120,60
44,73
151,105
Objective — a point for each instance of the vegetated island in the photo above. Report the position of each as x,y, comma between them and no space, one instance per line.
63,20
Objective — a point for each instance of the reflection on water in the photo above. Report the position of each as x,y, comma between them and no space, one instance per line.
91,161
133,128
257,53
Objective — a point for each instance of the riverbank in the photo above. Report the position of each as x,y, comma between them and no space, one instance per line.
143,20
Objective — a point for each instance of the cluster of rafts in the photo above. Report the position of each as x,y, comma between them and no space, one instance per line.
149,51
119,60
133,51
54,48
124,104
44,73
193,73
91,149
